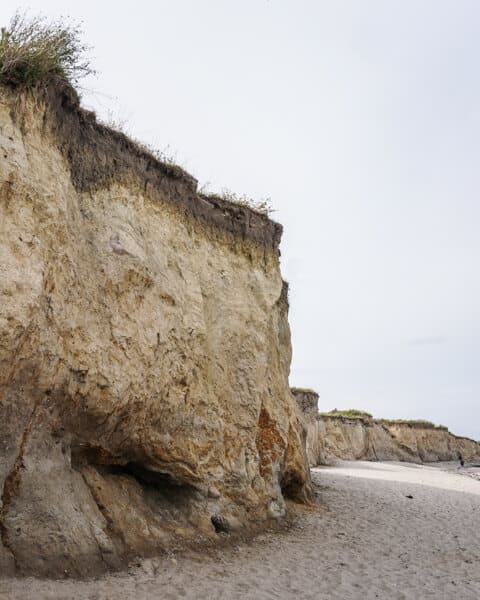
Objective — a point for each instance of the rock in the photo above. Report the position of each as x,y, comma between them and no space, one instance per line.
234,524
226,523
213,492
144,349
276,509
307,401
220,523
337,437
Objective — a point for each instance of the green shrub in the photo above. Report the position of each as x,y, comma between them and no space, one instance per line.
351,413
35,51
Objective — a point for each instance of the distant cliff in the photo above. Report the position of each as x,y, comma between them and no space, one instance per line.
144,350
331,437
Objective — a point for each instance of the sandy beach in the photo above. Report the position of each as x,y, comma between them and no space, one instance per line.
383,530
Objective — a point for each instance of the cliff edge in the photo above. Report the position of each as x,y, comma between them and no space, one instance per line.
144,351
332,437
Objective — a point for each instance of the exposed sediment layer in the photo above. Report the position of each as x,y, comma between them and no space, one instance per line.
99,156
336,437
144,351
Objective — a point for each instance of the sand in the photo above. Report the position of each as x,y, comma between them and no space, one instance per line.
368,539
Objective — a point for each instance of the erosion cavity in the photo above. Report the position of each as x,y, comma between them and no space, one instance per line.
171,498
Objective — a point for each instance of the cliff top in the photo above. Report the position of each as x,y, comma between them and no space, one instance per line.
43,61
354,414
351,413
308,391
412,423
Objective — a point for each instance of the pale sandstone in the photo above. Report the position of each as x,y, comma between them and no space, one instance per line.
144,352
335,437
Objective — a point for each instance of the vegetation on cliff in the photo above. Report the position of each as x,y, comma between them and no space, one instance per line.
34,52
262,206
297,390
40,54
351,413
413,423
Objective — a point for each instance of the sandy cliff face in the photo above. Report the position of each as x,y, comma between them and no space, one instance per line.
357,439
307,401
352,439
432,444
144,351
336,437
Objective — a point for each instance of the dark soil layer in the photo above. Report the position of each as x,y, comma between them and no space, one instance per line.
99,156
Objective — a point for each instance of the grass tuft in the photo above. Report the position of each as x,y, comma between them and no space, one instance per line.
414,423
262,206
351,413
297,390
34,51
165,157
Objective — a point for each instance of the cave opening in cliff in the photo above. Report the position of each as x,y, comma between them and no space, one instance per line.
293,488
161,488
160,480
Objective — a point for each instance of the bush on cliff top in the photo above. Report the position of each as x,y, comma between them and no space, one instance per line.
35,52
351,413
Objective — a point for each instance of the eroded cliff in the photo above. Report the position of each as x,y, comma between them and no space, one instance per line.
336,437
144,350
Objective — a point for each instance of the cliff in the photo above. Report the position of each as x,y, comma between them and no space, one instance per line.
144,351
307,401
331,437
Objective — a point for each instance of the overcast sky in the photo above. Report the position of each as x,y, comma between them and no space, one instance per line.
361,120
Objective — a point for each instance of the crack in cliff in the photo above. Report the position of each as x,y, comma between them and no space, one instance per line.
12,484
168,491
370,443
111,530
21,343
